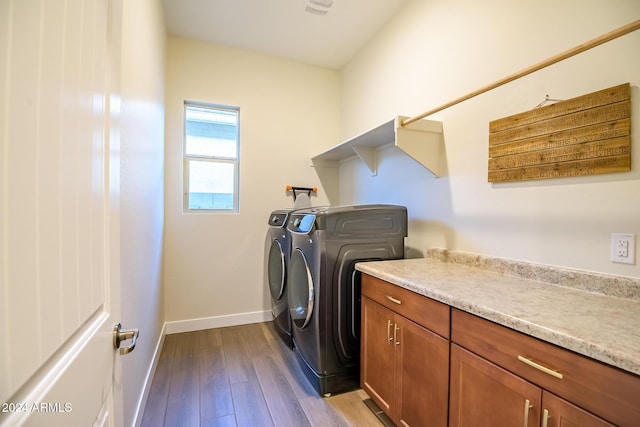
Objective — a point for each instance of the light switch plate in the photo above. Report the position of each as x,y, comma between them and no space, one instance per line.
623,248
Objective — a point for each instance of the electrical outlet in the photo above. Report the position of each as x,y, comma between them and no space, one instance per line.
623,248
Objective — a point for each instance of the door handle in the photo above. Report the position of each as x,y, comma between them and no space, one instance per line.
120,335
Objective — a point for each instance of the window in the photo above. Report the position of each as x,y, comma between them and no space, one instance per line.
211,147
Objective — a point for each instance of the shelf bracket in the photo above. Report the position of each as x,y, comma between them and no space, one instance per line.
368,156
423,141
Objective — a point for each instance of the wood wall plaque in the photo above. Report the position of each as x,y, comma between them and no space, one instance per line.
587,135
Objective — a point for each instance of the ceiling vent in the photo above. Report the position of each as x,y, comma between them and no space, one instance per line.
318,7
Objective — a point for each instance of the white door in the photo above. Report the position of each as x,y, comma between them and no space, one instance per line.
59,223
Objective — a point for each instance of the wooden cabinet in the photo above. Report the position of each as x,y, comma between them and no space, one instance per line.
500,377
483,394
404,363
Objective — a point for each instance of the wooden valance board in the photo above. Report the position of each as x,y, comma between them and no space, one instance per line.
587,135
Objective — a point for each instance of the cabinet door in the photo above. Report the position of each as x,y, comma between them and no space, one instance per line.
422,376
377,359
560,413
485,395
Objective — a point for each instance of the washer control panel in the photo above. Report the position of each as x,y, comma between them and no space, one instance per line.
301,223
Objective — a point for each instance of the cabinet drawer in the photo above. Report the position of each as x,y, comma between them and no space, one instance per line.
424,311
594,386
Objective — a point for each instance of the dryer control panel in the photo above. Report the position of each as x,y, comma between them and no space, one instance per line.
301,223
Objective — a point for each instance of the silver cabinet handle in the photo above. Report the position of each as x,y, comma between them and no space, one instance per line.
389,332
545,418
540,367
392,299
396,328
527,406
120,335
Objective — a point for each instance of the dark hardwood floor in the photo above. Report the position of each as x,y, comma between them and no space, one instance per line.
242,376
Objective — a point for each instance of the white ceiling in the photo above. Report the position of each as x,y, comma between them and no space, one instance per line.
282,27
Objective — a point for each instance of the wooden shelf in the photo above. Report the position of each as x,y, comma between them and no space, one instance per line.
422,140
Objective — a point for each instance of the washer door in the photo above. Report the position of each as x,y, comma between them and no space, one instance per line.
300,289
277,270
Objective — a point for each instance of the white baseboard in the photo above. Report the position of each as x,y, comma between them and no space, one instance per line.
189,325
142,403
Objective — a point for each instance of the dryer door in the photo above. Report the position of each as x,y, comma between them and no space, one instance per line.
300,289
277,270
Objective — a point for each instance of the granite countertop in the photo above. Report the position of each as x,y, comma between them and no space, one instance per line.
602,327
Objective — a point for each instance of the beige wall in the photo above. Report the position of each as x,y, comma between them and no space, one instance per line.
214,263
435,51
141,185
430,53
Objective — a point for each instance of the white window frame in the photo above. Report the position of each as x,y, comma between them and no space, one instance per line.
187,158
